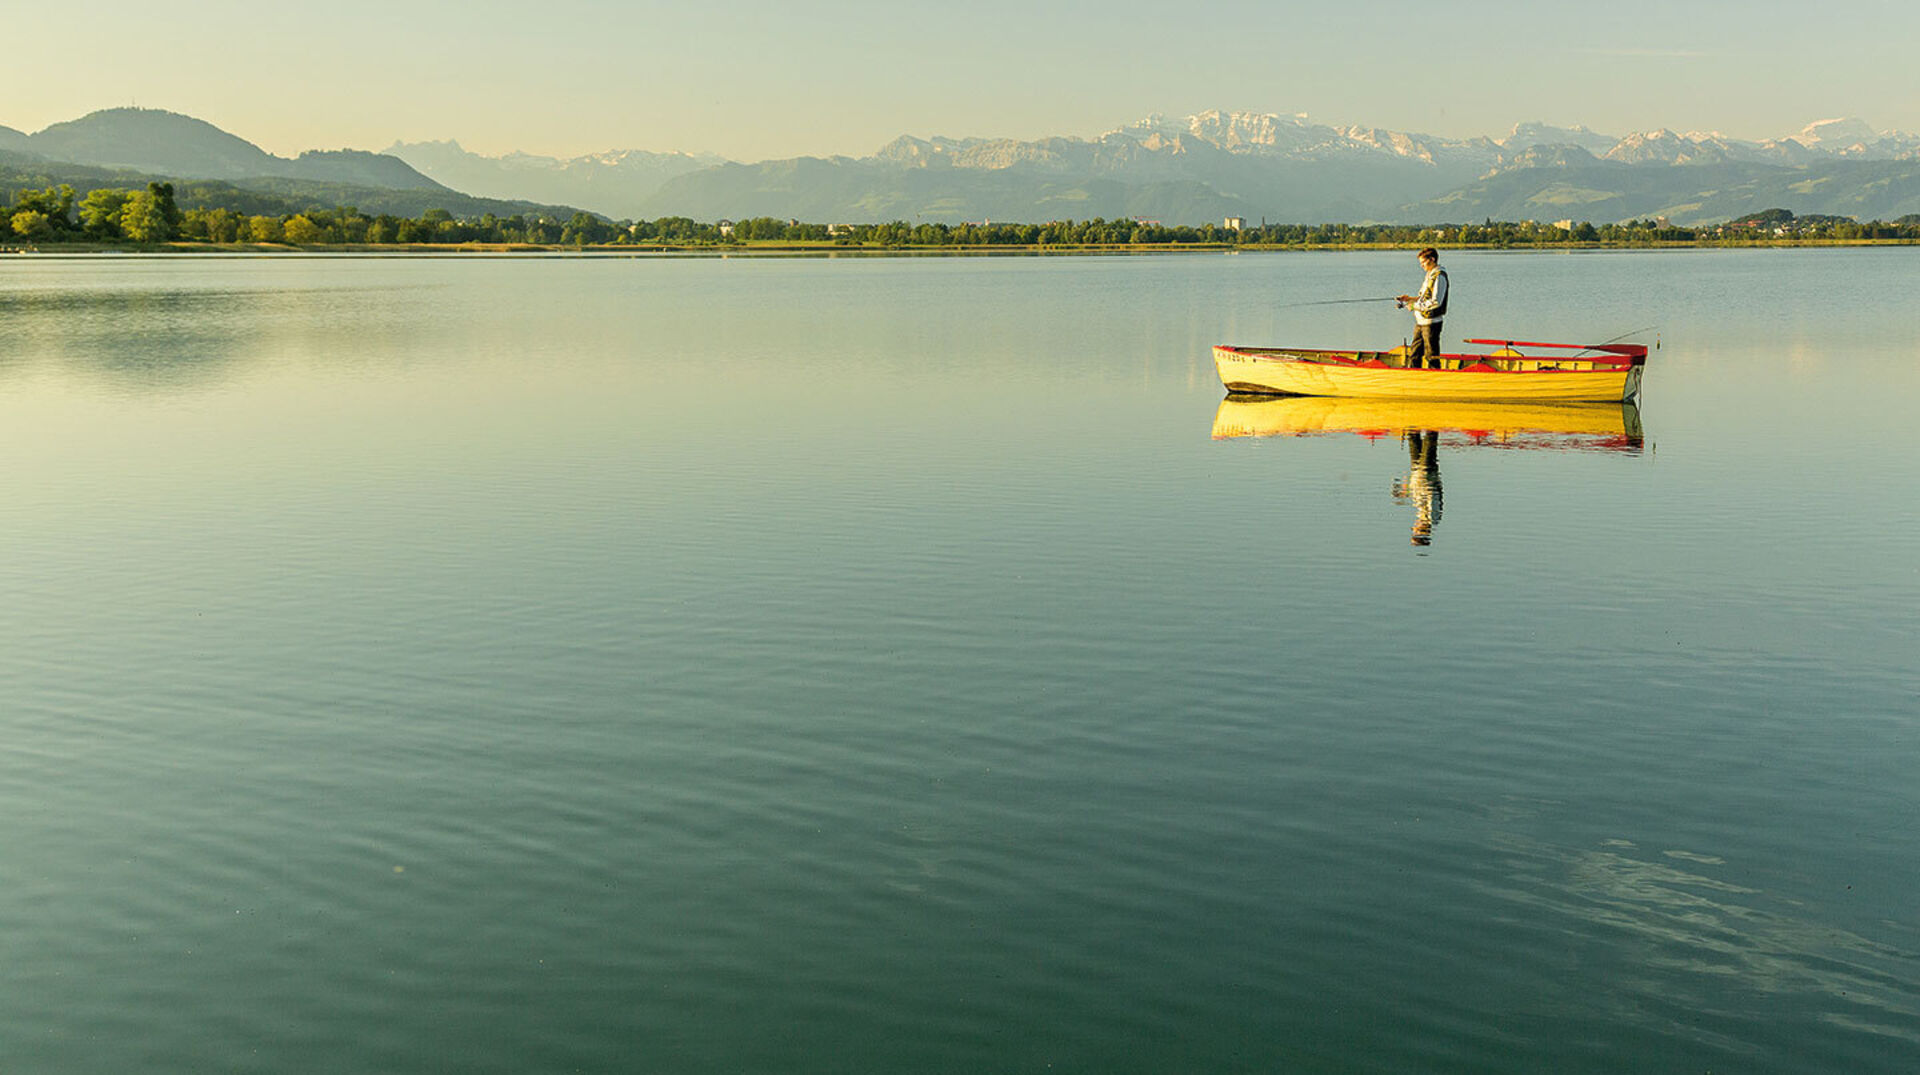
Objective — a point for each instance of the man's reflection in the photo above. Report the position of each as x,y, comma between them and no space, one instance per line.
1421,486
1422,424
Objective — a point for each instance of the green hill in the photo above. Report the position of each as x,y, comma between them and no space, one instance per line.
153,140
266,196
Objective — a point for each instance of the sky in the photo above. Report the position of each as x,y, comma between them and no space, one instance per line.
753,81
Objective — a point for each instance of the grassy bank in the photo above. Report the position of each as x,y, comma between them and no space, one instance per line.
816,248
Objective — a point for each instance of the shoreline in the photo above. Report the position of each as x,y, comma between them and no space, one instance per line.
870,250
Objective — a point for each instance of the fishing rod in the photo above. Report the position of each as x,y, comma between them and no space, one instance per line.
1337,302
1616,339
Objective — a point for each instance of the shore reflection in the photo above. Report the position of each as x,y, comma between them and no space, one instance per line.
1425,426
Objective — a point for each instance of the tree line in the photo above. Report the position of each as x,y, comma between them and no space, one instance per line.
153,215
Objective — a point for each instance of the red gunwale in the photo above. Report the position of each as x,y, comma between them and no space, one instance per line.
1469,361
1624,351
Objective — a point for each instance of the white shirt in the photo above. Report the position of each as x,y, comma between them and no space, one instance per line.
1432,296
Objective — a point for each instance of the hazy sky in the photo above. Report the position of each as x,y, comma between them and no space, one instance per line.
757,80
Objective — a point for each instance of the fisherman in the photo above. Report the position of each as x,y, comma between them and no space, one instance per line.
1429,308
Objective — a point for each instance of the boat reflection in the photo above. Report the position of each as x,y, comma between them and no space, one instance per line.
1590,427
1425,426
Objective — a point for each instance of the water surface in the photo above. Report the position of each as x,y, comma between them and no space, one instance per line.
512,664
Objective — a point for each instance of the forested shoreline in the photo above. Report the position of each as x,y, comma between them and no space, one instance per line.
151,218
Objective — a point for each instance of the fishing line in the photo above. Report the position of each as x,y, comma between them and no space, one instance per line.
1616,339
1336,302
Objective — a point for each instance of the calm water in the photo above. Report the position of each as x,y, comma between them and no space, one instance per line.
782,665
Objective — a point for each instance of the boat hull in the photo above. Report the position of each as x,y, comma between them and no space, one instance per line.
1273,371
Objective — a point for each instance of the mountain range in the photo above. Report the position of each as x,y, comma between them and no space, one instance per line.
1194,169
1282,168
614,184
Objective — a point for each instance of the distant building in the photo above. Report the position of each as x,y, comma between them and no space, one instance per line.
1665,222
1236,223
1563,225
726,229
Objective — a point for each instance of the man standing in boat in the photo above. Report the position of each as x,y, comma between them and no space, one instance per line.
1429,309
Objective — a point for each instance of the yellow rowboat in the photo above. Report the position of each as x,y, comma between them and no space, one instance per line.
1514,370
1599,427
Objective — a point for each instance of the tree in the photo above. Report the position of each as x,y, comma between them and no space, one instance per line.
144,219
223,225
209,225
163,198
32,224
53,203
100,213
264,229
350,226
672,229
301,229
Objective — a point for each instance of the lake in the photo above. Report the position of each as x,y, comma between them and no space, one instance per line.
697,664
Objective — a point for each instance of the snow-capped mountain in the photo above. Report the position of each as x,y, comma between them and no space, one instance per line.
1288,167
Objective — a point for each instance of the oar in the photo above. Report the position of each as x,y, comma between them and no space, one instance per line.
1336,302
